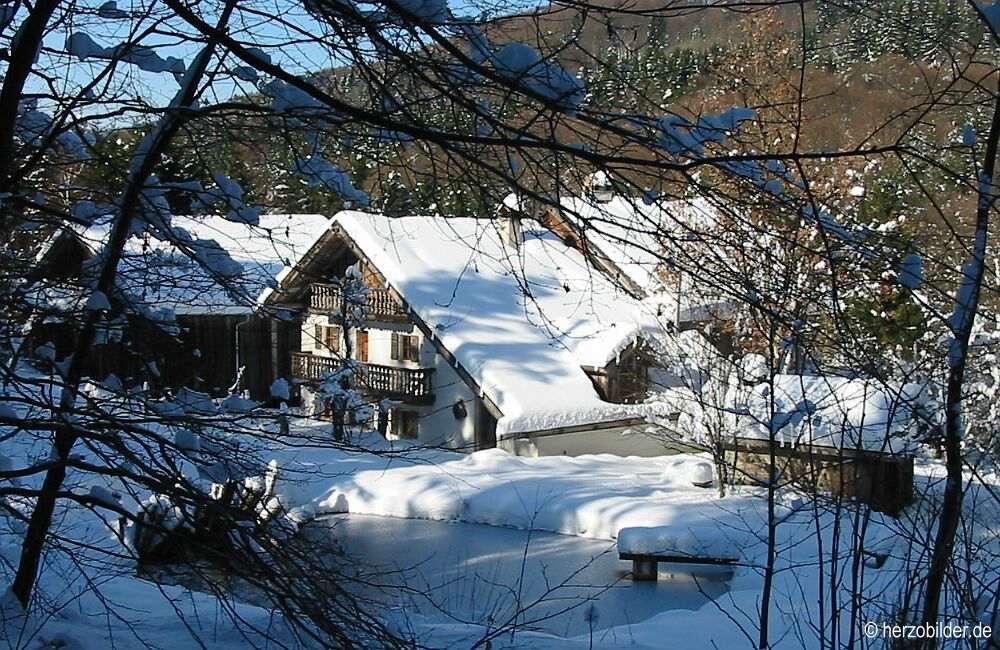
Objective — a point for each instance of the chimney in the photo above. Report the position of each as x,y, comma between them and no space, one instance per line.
510,230
554,222
601,187
509,214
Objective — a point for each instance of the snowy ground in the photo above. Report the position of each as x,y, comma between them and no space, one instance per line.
588,496
587,500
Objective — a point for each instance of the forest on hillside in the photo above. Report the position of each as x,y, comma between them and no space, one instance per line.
863,66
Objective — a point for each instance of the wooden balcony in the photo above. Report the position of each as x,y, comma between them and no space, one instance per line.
410,385
382,306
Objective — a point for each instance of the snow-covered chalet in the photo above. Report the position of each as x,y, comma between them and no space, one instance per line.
480,332
197,332
503,331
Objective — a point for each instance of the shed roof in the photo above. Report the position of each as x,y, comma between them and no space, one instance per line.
161,275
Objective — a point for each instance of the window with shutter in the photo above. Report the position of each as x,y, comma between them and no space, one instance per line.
405,347
327,338
362,345
333,338
410,348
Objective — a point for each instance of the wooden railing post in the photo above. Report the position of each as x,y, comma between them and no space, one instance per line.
325,298
402,383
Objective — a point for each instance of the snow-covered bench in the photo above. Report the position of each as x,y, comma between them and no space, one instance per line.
646,547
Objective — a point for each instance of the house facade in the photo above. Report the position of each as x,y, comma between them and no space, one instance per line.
194,331
477,333
425,397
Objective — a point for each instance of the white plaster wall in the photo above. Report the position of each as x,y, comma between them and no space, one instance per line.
438,424
309,342
602,441
309,333
307,396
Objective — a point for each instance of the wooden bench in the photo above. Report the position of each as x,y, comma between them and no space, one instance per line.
645,567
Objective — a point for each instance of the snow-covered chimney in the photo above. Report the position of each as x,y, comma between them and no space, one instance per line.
601,187
509,214
511,231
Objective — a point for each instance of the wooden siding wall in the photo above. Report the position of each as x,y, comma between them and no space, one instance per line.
127,360
258,351
213,371
623,380
883,481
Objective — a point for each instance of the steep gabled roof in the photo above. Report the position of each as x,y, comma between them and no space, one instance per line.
636,237
521,321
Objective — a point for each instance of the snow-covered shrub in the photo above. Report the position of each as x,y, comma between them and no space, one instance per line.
216,526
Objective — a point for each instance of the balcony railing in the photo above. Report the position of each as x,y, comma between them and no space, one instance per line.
382,306
411,385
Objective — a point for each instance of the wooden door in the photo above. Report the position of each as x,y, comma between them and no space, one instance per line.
486,429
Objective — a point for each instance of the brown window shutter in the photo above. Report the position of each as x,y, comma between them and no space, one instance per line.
404,423
409,425
362,345
318,337
394,354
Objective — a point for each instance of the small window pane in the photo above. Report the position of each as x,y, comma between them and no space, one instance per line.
411,348
404,424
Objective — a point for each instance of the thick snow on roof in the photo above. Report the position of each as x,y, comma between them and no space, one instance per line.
160,275
836,412
633,233
521,321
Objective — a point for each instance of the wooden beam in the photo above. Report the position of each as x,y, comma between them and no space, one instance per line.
677,559
577,428
805,450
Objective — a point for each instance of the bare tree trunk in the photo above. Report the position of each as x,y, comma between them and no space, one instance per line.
772,479
966,306
22,57
721,470
67,435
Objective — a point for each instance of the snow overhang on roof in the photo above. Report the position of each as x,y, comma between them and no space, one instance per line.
160,275
520,321
837,412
